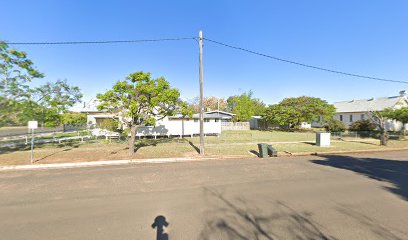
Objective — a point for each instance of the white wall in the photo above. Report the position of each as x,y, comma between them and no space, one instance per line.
177,128
391,125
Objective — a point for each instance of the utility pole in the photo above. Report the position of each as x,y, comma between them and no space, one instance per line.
201,95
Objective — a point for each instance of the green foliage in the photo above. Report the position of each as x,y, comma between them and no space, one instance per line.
399,115
58,95
139,100
110,124
16,71
185,109
334,125
73,118
20,103
362,125
291,112
245,106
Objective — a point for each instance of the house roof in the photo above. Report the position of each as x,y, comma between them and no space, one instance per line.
373,104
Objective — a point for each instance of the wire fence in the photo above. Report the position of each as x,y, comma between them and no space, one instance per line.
364,134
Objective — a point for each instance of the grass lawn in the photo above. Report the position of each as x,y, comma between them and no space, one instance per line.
233,143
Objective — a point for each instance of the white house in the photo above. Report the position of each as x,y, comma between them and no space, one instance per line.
168,126
354,110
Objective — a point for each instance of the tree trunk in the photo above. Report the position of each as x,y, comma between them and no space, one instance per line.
133,129
383,138
402,132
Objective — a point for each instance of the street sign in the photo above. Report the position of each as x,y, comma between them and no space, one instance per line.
32,124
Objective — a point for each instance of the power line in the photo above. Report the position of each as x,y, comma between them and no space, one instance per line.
306,65
101,42
213,41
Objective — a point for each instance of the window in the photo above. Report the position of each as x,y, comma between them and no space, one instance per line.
217,120
362,116
341,118
195,120
351,118
206,120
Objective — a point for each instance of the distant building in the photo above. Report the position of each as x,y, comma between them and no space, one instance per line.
354,110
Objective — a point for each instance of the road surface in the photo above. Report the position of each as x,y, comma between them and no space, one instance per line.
361,196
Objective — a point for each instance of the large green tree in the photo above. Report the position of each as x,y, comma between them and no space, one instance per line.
16,71
291,112
20,102
55,98
140,100
245,106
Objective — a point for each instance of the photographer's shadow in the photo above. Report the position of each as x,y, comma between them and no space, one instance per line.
160,224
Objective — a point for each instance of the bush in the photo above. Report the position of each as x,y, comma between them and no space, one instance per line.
362,125
73,118
335,125
110,125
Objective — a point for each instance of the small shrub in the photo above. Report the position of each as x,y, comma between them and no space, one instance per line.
110,125
362,125
335,125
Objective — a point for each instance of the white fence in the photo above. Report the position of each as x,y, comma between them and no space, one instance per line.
235,126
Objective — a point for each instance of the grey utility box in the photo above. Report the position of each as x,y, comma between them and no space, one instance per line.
323,139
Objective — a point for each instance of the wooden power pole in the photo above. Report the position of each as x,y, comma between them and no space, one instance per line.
201,95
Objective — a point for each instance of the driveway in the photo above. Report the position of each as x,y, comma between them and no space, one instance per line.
361,196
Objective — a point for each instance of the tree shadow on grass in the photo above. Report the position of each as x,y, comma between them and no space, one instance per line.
54,153
387,170
239,219
24,147
153,142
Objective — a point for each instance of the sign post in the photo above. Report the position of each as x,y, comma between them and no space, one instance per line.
32,125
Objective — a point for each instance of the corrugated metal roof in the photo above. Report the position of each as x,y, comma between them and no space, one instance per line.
364,105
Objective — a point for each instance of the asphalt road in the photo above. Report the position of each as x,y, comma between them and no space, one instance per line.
362,196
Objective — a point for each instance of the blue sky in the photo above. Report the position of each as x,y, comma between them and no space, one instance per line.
363,37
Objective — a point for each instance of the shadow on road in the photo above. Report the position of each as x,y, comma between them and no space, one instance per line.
392,171
368,223
160,224
237,219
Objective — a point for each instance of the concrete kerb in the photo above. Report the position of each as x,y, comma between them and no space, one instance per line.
101,163
170,160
